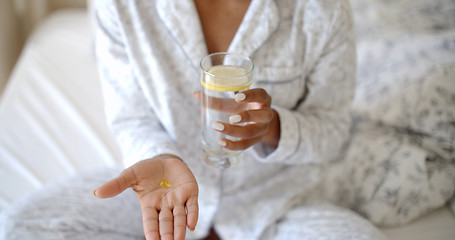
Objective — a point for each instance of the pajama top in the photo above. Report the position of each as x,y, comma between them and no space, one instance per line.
304,57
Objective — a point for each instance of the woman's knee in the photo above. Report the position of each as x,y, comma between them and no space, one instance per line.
325,221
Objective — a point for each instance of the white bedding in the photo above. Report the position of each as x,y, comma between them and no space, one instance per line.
52,120
438,225
51,114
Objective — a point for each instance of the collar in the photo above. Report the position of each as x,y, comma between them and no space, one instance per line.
181,18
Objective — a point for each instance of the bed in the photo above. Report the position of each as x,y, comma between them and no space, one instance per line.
52,118
52,121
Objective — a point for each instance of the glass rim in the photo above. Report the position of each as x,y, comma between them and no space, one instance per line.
250,71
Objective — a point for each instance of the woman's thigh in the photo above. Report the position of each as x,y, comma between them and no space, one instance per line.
68,210
323,221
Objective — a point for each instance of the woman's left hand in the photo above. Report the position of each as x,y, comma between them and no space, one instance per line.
262,123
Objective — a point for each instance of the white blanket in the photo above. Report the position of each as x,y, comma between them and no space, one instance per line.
51,114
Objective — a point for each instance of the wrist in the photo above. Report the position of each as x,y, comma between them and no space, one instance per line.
272,137
167,157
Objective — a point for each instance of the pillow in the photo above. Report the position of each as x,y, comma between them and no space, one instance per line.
400,161
387,177
397,63
424,108
373,18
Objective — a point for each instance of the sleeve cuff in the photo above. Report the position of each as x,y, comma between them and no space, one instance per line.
150,153
289,139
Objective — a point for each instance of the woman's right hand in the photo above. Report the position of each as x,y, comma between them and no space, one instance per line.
166,209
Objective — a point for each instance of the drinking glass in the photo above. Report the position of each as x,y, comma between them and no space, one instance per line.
222,76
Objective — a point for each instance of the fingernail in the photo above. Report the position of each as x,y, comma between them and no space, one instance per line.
239,97
235,119
218,126
222,143
94,192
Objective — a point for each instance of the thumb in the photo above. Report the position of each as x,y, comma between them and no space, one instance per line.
117,185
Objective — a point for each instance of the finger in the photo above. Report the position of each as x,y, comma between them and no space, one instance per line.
197,95
257,95
251,130
227,105
241,144
150,223
117,185
166,223
259,115
179,221
192,212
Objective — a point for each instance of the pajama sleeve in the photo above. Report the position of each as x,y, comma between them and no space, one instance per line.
130,118
316,128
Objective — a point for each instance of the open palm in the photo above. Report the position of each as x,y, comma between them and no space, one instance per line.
166,209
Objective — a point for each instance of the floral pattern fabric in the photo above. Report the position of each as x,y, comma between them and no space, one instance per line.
400,161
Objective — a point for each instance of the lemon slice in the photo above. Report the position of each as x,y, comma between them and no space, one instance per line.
226,79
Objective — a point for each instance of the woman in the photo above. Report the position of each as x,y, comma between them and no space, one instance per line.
304,56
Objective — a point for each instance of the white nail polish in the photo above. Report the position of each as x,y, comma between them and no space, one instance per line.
239,97
235,119
222,143
218,126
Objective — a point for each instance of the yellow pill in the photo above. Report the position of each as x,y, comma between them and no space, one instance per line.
164,183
